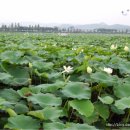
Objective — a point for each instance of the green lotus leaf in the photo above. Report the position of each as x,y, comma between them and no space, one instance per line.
5,76
91,119
106,99
23,61
84,107
2,100
41,75
52,113
11,45
45,99
43,66
124,67
54,126
48,113
48,87
21,108
102,110
126,80
123,103
116,110
114,61
68,126
24,92
103,77
5,104
10,95
22,122
20,75
31,58
16,71
19,81
26,46
54,76
38,113
11,112
77,90
11,56
77,126
122,90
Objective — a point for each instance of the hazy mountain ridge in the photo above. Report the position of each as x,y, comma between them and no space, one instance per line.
90,26
97,26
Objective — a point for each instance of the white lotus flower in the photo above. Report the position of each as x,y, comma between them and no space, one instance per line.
67,69
89,70
126,48
113,47
108,70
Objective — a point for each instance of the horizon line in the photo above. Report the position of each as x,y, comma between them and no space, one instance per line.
54,23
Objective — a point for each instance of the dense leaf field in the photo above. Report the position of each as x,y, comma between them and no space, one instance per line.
64,82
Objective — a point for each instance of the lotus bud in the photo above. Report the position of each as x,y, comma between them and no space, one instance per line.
89,70
30,65
108,70
126,48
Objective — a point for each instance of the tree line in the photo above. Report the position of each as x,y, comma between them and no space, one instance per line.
16,27
31,28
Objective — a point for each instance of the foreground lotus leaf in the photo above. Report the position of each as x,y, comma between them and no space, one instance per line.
21,108
5,76
10,95
11,112
24,92
123,103
68,126
77,90
106,99
11,56
84,107
48,113
102,110
20,75
103,77
124,67
22,122
46,88
43,66
122,90
45,99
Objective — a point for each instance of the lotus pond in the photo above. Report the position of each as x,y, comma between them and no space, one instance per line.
71,82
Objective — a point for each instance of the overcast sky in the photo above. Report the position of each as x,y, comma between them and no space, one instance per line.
65,11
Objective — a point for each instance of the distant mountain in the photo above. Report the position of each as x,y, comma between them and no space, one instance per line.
97,26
